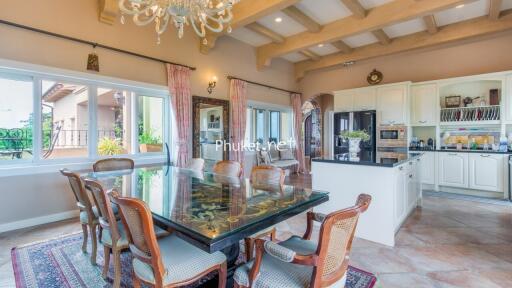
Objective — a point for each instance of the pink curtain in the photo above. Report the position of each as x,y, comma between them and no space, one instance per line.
297,131
237,118
181,99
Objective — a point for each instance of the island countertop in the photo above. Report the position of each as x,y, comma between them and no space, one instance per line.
344,159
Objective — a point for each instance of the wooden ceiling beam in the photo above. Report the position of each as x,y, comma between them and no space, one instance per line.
108,11
342,46
310,54
262,30
430,22
381,36
469,29
494,9
306,21
377,18
355,7
246,12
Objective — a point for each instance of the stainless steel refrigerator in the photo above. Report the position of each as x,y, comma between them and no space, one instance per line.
353,121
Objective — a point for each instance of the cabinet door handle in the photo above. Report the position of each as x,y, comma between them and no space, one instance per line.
453,154
422,122
485,156
410,176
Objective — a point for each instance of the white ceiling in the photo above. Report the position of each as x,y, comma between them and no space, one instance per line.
326,11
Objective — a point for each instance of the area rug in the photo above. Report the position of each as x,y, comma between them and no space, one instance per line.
60,263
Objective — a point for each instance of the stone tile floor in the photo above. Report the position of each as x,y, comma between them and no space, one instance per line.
445,243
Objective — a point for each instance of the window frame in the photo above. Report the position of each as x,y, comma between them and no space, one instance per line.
38,73
267,107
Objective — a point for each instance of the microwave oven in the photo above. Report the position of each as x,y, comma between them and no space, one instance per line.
392,136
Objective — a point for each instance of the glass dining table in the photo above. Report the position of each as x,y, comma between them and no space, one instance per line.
210,211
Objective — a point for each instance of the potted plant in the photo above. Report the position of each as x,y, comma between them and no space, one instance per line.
354,140
109,147
149,143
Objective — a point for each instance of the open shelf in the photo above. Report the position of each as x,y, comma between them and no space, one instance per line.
478,114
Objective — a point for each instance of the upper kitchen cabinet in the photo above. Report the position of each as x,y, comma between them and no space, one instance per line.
424,105
508,100
392,104
344,101
364,99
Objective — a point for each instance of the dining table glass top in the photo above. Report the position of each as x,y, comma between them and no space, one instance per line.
211,205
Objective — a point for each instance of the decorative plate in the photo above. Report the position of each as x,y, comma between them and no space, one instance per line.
375,77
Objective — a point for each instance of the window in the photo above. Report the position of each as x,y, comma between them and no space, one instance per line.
272,125
16,117
113,112
275,126
150,120
64,120
55,118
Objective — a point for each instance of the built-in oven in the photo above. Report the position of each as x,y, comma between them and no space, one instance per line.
389,155
392,136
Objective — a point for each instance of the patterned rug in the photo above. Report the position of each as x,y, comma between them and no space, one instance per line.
60,263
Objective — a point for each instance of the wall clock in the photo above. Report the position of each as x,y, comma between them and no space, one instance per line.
375,77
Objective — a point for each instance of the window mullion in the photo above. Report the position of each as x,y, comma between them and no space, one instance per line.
92,146
37,143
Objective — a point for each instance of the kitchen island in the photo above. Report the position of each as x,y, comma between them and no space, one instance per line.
395,189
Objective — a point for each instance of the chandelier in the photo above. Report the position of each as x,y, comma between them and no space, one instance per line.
200,14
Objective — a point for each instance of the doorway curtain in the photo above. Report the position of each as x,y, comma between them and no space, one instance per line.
181,103
237,119
297,131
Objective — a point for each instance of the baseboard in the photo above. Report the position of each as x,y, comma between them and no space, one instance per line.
38,220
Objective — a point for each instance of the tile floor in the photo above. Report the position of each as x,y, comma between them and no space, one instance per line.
446,243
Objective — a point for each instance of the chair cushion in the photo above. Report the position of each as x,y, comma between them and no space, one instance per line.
106,237
285,163
84,218
274,153
276,273
181,260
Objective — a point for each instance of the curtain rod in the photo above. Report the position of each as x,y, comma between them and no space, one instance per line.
93,44
263,85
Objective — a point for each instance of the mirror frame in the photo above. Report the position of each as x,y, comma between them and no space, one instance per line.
196,106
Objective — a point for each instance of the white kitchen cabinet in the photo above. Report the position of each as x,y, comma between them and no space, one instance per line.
424,105
401,195
508,100
343,101
453,169
486,172
391,104
364,99
428,168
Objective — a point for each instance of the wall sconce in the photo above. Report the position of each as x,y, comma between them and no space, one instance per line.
212,84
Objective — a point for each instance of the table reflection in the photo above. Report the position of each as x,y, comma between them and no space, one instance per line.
209,204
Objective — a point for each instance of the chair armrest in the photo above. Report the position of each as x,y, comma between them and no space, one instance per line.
318,217
312,216
279,252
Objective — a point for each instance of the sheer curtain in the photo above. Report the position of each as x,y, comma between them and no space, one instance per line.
297,131
181,99
237,119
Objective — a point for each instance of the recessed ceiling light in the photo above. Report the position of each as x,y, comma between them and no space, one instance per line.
278,19
459,6
320,45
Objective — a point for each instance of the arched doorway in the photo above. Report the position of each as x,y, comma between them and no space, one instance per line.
312,116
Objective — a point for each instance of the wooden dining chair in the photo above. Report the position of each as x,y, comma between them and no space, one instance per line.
228,168
169,261
300,262
263,177
88,213
111,164
114,238
196,164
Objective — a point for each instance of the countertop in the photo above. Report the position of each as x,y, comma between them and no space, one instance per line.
462,151
343,159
